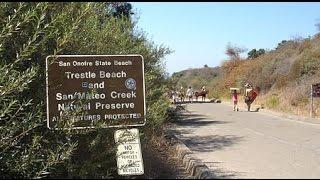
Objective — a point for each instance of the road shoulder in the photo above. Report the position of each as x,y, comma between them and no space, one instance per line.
287,116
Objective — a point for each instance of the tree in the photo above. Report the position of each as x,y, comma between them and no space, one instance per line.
283,43
122,9
205,66
254,53
261,51
234,51
318,25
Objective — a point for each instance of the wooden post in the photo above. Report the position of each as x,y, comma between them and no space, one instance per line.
311,102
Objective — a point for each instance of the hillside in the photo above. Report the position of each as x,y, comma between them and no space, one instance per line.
284,75
197,77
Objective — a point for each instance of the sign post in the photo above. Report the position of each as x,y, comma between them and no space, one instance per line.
311,102
129,156
315,92
100,91
91,90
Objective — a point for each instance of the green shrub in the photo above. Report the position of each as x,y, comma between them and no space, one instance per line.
310,66
272,102
29,33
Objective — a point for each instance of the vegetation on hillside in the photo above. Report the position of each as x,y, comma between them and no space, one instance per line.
196,78
283,74
29,33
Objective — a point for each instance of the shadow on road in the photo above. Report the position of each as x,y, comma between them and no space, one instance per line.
194,102
256,110
188,123
210,143
189,115
202,143
205,144
222,173
197,122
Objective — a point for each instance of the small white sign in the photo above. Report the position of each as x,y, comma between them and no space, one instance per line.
129,156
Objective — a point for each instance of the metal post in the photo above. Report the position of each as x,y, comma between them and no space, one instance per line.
311,102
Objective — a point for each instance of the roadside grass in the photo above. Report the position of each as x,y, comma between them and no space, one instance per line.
273,102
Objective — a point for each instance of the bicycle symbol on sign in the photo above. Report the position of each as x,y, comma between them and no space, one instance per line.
130,84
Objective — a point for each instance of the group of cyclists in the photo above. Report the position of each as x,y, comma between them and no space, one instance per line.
189,93
250,95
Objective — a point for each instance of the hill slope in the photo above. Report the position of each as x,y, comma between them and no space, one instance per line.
284,75
196,78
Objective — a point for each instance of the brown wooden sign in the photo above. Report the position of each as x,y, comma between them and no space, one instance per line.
316,90
91,90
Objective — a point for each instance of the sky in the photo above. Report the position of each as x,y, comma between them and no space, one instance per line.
198,33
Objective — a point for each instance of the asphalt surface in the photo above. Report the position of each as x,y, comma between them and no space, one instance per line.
250,144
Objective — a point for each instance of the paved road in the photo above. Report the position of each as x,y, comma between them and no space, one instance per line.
250,144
